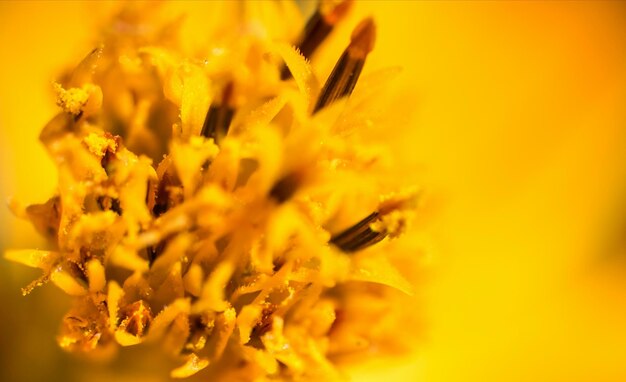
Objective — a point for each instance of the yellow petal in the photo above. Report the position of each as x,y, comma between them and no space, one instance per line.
95,275
32,257
378,270
261,115
113,300
300,69
65,280
264,359
162,321
127,258
224,326
195,99
126,339
246,321
193,279
83,73
188,157
213,292
193,365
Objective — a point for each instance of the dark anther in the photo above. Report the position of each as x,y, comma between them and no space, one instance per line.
359,236
167,193
154,251
318,27
284,189
107,203
265,324
219,116
346,72
77,116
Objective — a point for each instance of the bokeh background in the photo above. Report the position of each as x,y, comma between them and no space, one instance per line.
515,123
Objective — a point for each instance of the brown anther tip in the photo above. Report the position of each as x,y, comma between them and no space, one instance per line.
227,94
287,186
363,38
220,114
333,11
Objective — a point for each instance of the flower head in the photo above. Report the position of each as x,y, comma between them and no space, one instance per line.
221,204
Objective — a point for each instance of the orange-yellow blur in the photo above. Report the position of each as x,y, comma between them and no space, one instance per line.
511,116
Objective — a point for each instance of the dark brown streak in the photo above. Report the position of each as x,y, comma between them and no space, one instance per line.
317,29
346,72
341,81
154,251
286,187
219,116
359,236
355,228
367,239
315,32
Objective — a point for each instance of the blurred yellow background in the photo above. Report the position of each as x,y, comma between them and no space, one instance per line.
516,121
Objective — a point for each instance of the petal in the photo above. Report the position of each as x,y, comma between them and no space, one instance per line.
193,365
114,296
95,275
300,69
32,257
378,270
62,277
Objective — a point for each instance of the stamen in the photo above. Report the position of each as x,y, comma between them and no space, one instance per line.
318,27
359,236
107,203
345,75
265,324
168,192
154,251
136,318
284,188
219,116
389,219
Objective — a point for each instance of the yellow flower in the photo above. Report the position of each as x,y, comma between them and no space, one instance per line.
509,113
223,203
